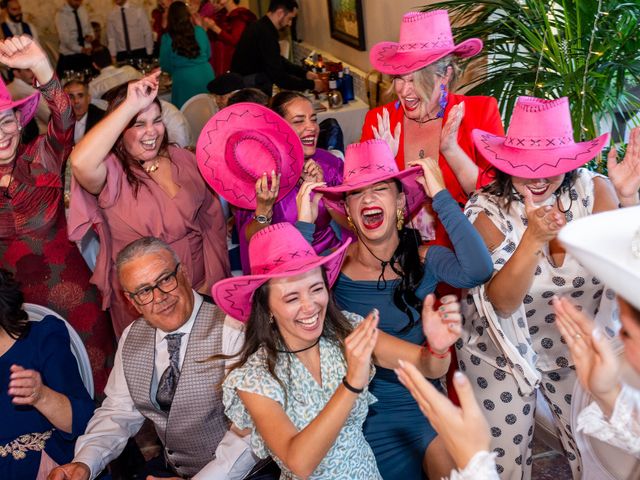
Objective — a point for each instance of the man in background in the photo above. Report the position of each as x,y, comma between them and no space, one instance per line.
75,34
15,24
129,33
257,57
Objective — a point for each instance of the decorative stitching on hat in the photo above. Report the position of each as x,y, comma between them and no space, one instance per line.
441,42
262,140
538,143
417,16
535,105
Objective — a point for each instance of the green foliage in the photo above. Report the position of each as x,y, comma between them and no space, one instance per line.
587,50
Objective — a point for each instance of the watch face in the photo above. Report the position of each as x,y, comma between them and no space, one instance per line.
262,219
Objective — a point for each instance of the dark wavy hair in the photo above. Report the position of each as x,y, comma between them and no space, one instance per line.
280,101
502,188
130,165
181,30
407,264
261,332
13,319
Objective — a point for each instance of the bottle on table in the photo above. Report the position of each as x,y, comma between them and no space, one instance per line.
347,86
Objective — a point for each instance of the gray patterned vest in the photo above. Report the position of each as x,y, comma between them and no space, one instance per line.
196,423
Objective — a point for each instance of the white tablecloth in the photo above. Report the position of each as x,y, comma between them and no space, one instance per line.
350,117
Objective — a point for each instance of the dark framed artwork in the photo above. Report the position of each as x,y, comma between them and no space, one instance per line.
345,21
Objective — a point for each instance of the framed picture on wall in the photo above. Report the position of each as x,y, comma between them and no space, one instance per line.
346,24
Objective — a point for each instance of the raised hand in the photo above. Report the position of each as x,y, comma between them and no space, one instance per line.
383,132
431,180
359,348
441,327
625,175
21,51
543,223
25,386
267,195
449,134
308,207
312,172
140,94
596,364
464,430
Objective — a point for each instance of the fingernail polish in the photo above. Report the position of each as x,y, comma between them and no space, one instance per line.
459,377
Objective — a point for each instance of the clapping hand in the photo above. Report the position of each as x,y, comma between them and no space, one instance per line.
359,347
383,132
441,327
431,180
464,430
141,93
449,134
625,175
543,223
308,207
596,364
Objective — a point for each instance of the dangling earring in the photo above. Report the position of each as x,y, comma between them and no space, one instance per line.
271,320
350,222
443,101
400,219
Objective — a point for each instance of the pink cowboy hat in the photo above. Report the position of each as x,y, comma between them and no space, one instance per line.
425,37
276,251
539,141
241,142
371,162
27,106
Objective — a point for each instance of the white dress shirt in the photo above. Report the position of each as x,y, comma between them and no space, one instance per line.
68,31
118,419
16,28
79,129
139,29
178,128
19,90
111,77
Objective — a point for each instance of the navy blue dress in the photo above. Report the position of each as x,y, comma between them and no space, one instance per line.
396,429
46,349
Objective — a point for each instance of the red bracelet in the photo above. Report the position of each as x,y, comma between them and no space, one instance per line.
436,354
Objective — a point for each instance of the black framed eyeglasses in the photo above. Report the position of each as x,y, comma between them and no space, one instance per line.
166,284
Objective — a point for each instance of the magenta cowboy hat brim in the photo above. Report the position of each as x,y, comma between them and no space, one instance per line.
27,107
414,192
241,142
385,57
235,295
536,163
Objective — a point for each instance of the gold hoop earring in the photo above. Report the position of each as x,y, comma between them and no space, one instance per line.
352,226
400,219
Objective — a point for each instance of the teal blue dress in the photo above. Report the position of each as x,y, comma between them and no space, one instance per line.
302,399
190,76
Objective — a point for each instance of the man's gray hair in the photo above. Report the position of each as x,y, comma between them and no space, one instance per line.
140,247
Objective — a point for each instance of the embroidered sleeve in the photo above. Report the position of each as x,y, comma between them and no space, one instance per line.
59,137
481,467
622,430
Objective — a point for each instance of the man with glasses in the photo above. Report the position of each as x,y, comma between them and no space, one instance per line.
163,371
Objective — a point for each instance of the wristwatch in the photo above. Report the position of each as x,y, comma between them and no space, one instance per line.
262,219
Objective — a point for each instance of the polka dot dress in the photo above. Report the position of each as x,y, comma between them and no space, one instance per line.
512,360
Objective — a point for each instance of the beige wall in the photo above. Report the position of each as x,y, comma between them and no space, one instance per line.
381,23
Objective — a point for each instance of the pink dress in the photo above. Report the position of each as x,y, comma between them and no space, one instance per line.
192,222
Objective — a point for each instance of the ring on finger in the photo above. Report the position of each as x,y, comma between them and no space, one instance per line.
577,336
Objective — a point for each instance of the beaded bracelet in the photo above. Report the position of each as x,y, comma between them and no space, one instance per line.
350,387
436,354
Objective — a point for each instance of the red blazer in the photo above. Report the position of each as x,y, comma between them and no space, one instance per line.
480,112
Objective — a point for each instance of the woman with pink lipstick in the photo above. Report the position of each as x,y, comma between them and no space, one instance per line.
388,269
129,183
428,119
511,349
319,166
301,381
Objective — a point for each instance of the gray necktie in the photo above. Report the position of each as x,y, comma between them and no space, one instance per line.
169,380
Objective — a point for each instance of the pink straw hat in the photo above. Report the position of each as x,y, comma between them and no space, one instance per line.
425,37
241,142
27,106
368,163
539,141
276,251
